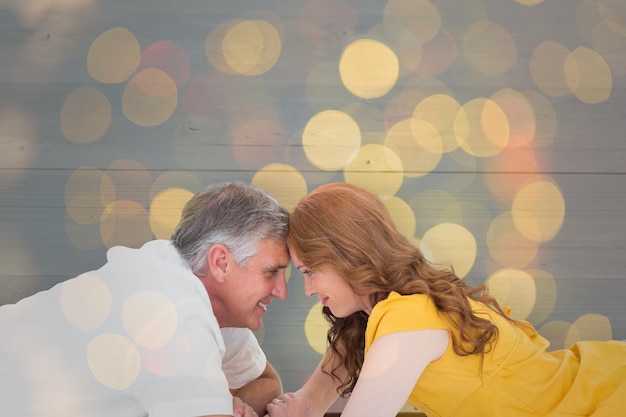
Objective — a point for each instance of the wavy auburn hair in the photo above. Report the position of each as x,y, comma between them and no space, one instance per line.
347,229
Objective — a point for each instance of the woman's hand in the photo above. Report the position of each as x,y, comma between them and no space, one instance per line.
289,405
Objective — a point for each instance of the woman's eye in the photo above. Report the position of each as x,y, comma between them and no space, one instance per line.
307,272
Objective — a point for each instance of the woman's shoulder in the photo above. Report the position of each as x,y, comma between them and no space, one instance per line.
400,301
405,312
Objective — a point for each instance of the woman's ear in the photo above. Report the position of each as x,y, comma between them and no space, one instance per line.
218,257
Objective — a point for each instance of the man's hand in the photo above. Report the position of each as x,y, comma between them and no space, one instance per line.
241,409
259,391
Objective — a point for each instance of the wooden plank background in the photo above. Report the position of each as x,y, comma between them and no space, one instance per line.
48,237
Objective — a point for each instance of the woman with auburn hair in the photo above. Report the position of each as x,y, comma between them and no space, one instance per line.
405,331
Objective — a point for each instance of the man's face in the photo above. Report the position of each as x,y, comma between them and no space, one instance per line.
249,289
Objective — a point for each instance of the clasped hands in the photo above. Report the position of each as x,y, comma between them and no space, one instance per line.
289,405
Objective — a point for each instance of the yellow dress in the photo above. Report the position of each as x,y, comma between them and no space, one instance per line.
519,377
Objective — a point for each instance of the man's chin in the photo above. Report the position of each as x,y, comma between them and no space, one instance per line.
256,326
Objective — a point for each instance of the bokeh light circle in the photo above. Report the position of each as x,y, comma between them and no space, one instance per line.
588,75
114,360
482,128
440,111
546,67
450,245
515,289
251,47
539,210
85,302
377,168
150,97
315,329
113,56
85,115
418,145
402,215
150,319
330,138
590,326
368,68
285,183
166,209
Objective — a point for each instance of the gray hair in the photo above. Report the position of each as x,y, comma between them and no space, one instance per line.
234,214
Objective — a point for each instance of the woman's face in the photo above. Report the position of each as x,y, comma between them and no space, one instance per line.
331,289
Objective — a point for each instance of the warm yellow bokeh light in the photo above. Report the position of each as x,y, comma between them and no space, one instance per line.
85,115
368,68
440,110
418,145
165,211
113,56
450,245
330,138
546,295
114,360
590,326
285,183
150,319
546,67
520,114
556,331
85,302
539,210
482,128
507,245
315,329
150,98
515,289
87,192
251,47
402,215
377,168
588,76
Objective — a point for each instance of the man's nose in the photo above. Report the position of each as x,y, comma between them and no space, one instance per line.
280,288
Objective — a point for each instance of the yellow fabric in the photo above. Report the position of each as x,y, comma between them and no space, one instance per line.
519,378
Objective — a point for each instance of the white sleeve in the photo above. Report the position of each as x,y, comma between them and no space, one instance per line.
244,359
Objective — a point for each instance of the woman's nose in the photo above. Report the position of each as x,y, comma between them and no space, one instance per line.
308,286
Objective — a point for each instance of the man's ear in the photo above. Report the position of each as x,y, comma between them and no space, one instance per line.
218,257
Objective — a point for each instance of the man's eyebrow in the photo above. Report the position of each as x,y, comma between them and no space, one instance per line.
275,267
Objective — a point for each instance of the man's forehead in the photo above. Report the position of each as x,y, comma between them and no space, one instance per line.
273,254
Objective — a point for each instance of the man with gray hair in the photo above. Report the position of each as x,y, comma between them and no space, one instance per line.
163,330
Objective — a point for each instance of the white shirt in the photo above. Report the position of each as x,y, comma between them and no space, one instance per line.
136,337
